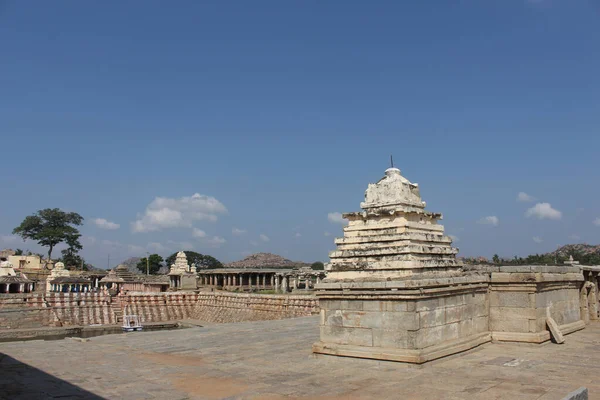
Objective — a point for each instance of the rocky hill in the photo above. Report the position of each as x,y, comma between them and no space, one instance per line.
131,264
266,260
583,249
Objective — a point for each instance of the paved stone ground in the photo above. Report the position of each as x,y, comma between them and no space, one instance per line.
272,360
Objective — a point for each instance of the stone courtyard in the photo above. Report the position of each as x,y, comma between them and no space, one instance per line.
273,360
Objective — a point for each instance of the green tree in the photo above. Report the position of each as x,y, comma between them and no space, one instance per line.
154,262
50,227
318,266
496,259
18,252
70,255
202,261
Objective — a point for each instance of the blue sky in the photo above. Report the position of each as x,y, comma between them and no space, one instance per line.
279,113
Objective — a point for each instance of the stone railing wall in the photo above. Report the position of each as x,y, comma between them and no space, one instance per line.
159,307
34,310
233,307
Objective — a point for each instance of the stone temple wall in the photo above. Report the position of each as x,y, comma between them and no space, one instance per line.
35,310
233,307
159,307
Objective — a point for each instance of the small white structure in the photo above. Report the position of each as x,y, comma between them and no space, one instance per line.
131,323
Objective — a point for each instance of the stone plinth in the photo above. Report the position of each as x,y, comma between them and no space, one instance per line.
412,321
395,290
522,297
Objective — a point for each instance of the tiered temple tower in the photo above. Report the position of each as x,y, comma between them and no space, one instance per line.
182,276
394,237
395,290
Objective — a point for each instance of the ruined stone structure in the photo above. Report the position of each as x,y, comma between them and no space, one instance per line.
245,279
13,282
395,290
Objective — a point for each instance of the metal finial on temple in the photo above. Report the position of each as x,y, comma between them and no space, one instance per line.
392,160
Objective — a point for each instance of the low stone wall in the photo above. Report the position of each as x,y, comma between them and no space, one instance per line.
233,307
159,307
522,297
35,310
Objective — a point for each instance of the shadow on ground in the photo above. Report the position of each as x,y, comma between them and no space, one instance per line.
21,381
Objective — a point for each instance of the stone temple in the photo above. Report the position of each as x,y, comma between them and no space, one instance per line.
395,290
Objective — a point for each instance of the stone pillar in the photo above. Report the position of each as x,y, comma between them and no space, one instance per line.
318,279
276,279
295,283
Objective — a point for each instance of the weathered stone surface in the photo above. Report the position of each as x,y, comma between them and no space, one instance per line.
579,394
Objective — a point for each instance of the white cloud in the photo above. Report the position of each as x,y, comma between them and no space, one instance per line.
596,222
198,233
88,240
136,250
157,247
186,245
164,212
264,238
543,211
111,243
538,239
105,224
254,243
9,239
574,237
454,238
327,234
490,220
336,218
298,234
216,241
524,197
238,231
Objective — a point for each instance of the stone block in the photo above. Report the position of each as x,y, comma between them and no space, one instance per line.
375,305
429,336
400,320
513,299
330,304
555,331
432,318
579,394
455,300
450,332
510,313
391,338
466,328
455,314
514,325
347,335
429,304
356,305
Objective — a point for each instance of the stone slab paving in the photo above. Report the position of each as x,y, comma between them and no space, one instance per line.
272,360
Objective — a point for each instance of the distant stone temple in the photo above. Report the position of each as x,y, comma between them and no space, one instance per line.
182,276
250,279
395,290
262,271
60,280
